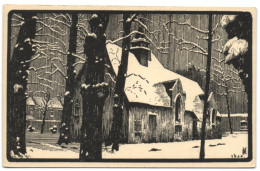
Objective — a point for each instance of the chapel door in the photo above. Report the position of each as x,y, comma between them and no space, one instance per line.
152,127
194,129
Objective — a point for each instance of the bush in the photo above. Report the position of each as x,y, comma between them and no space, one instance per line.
215,133
185,135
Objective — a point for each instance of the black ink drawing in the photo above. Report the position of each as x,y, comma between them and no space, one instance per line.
125,85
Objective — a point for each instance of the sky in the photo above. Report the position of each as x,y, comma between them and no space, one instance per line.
205,3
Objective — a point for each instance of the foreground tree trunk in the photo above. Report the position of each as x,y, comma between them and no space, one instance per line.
17,86
94,91
70,89
203,131
119,95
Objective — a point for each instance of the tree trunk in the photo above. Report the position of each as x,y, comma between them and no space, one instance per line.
228,109
43,121
203,131
70,89
17,86
119,95
94,91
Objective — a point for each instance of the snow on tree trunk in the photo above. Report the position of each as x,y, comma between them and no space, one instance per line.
17,86
94,91
240,27
70,89
203,131
119,95
238,50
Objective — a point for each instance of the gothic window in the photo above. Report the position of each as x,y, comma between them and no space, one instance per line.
213,115
77,108
178,108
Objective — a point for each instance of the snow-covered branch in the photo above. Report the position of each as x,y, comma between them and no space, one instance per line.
132,18
218,60
57,70
193,50
188,24
79,62
55,20
50,81
52,28
77,56
18,16
56,38
195,45
68,19
110,76
42,84
58,59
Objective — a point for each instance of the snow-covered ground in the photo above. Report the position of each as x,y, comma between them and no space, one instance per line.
59,153
218,148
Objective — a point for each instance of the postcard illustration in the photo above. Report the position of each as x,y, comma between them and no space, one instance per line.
133,85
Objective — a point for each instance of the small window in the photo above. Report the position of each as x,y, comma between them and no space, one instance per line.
178,129
77,107
208,118
243,125
178,109
138,126
213,115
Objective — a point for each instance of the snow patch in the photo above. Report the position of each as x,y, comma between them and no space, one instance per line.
226,19
30,102
236,48
66,93
17,87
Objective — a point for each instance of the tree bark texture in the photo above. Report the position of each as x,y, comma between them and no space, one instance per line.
17,85
70,88
203,131
94,91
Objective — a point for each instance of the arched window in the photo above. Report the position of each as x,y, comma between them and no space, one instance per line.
213,115
178,108
77,108
208,117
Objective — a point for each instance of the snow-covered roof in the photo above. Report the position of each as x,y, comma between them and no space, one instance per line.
30,102
234,115
29,117
145,84
53,103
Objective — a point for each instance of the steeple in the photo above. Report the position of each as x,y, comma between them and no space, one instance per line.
140,48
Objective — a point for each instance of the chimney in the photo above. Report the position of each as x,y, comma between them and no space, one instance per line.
140,48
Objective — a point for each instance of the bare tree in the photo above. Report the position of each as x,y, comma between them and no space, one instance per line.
17,84
206,95
119,95
70,88
229,82
45,106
